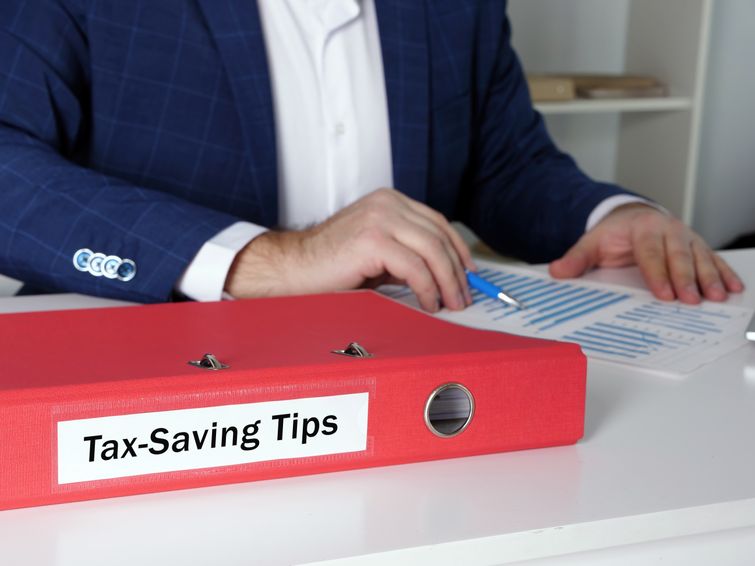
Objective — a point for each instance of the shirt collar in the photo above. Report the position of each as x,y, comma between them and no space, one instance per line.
336,13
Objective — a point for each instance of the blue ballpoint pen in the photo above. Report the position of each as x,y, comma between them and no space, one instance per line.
492,291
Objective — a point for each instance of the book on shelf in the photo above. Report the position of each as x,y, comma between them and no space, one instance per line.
564,87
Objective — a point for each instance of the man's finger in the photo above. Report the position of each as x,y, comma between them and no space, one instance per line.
581,256
404,265
681,265
708,276
731,279
650,255
439,220
451,251
431,248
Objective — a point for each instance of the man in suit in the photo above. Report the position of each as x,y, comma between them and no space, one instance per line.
148,148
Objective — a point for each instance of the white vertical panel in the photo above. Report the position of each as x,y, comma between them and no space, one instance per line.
668,39
726,176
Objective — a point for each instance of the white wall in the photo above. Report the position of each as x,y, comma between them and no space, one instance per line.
570,35
581,36
725,203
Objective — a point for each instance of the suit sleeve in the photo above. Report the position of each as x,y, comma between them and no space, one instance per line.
525,197
51,205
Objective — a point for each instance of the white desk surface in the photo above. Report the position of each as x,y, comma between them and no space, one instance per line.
666,469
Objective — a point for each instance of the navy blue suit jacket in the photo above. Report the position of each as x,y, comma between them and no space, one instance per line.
141,128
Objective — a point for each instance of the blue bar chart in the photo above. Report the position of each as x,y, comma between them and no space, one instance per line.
609,322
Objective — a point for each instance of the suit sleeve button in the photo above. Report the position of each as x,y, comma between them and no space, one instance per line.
127,270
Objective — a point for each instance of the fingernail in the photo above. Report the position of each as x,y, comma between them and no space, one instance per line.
692,291
468,296
716,291
460,301
667,292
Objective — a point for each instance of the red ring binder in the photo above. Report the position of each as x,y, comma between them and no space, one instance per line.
109,425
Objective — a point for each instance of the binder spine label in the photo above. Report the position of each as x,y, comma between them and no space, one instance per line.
189,439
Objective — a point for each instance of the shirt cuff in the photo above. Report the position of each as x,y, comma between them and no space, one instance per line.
610,204
204,278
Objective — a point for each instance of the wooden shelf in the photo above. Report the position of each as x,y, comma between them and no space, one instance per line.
592,106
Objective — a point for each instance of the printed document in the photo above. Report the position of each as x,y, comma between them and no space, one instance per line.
610,322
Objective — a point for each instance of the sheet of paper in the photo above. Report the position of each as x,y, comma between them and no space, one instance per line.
613,323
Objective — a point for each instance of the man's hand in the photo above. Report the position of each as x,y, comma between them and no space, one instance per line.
675,262
383,237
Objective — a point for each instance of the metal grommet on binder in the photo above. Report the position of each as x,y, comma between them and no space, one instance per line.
449,410
210,362
353,350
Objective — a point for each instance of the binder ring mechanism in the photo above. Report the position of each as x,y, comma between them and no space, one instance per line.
210,362
353,350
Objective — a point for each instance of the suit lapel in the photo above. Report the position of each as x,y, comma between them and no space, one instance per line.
236,27
237,30
404,39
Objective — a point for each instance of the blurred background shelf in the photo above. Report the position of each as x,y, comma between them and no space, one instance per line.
592,106
694,152
649,145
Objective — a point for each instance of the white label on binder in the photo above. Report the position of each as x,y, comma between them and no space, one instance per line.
190,439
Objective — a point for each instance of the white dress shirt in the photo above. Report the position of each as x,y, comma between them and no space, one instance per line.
331,124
